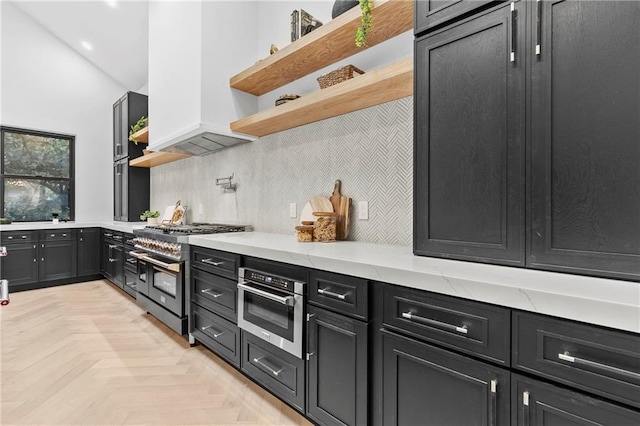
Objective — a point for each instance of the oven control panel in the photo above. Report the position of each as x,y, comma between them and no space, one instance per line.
274,281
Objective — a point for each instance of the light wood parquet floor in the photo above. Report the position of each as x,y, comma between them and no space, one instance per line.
86,354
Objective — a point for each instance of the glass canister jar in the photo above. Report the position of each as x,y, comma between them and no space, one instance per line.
304,233
325,226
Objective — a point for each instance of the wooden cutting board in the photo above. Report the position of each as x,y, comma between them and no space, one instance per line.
321,204
344,216
335,197
307,213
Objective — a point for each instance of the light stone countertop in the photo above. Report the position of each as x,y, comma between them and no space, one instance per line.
606,302
33,226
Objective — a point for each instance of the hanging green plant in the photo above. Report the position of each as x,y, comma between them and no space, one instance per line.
366,26
140,124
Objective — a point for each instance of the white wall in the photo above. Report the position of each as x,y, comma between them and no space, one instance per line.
45,85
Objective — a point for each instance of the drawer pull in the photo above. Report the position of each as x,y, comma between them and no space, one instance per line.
131,261
10,237
525,408
579,361
419,319
328,293
493,409
64,235
210,293
210,261
266,367
24,237
214,333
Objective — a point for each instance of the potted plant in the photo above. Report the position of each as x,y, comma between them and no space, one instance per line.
140,124
152,217
366,25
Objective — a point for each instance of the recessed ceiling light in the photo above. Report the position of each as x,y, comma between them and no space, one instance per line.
111,3
87,46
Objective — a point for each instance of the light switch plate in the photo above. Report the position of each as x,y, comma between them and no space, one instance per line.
363,210
293,210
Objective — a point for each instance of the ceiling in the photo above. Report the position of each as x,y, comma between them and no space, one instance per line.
117,31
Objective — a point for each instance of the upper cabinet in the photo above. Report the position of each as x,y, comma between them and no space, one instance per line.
194,47
432,13
126,112
560,193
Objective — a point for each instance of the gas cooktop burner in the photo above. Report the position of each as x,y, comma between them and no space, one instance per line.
197,228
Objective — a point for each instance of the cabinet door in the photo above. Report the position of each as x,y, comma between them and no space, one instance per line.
117,191
585,156
538,403
118,265
431,13
58,259
425,385
117,130
20,266
469,141
88,251
337,369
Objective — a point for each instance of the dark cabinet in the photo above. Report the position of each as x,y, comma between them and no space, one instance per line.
130,184
20,266
126,112
112,257
469,141
88,251
569,65
432,13
425,385
585,155
538,403
58,255
337,369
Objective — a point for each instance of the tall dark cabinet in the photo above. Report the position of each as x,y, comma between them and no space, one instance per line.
130,184
527,144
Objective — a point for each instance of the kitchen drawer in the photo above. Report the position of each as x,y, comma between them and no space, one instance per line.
10,237
114,236
278,371
602,361
216,333
129,284
340,293
215,293
538,403
471,327
128,239
57,234
430,13
130,262
214,261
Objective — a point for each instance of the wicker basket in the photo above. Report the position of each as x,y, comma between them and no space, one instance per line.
338,76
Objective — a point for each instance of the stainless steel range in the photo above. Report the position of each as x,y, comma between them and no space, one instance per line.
163,269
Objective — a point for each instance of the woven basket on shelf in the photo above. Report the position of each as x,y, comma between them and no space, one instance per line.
338,76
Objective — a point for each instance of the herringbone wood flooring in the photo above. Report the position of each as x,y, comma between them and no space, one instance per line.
86,354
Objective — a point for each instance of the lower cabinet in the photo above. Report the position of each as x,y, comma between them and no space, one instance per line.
58,255
216,333
426,385
20,266
88,251
337,368
538,403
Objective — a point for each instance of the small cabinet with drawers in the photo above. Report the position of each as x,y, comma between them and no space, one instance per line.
337,349
213,318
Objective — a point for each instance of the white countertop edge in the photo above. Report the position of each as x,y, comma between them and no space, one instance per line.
35,226
606,302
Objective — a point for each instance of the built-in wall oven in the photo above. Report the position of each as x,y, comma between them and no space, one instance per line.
271,307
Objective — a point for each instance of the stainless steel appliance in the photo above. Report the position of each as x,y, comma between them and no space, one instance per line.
271,307
163,269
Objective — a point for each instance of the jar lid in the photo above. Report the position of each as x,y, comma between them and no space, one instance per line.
325,214
304,228
306,222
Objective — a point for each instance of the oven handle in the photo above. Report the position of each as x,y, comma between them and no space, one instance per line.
285,300
175,267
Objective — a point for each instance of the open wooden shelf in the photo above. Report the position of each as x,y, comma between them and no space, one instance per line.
373,88
142,135
324,46
156,159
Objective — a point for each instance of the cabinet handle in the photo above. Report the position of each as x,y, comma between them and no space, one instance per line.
266,367
210,293
64,235
514,31
493,386
525,408
42,259
428,321
108,235
329,293
608,368
24,237
210,261
53,235
538,27
9,238
309,355
215,333
81,239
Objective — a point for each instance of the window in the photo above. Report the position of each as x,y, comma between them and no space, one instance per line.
37,175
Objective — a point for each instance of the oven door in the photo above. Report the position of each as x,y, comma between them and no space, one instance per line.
163,281
271,315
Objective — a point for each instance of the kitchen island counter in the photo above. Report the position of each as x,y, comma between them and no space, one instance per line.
600,301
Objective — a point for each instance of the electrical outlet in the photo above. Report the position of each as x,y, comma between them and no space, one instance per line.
293,210
363,210
200,209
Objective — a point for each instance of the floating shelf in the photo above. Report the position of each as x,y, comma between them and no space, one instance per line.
324,46
378,86
156,159
142,135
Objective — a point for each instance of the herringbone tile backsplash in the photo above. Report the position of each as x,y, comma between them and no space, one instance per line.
370,151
